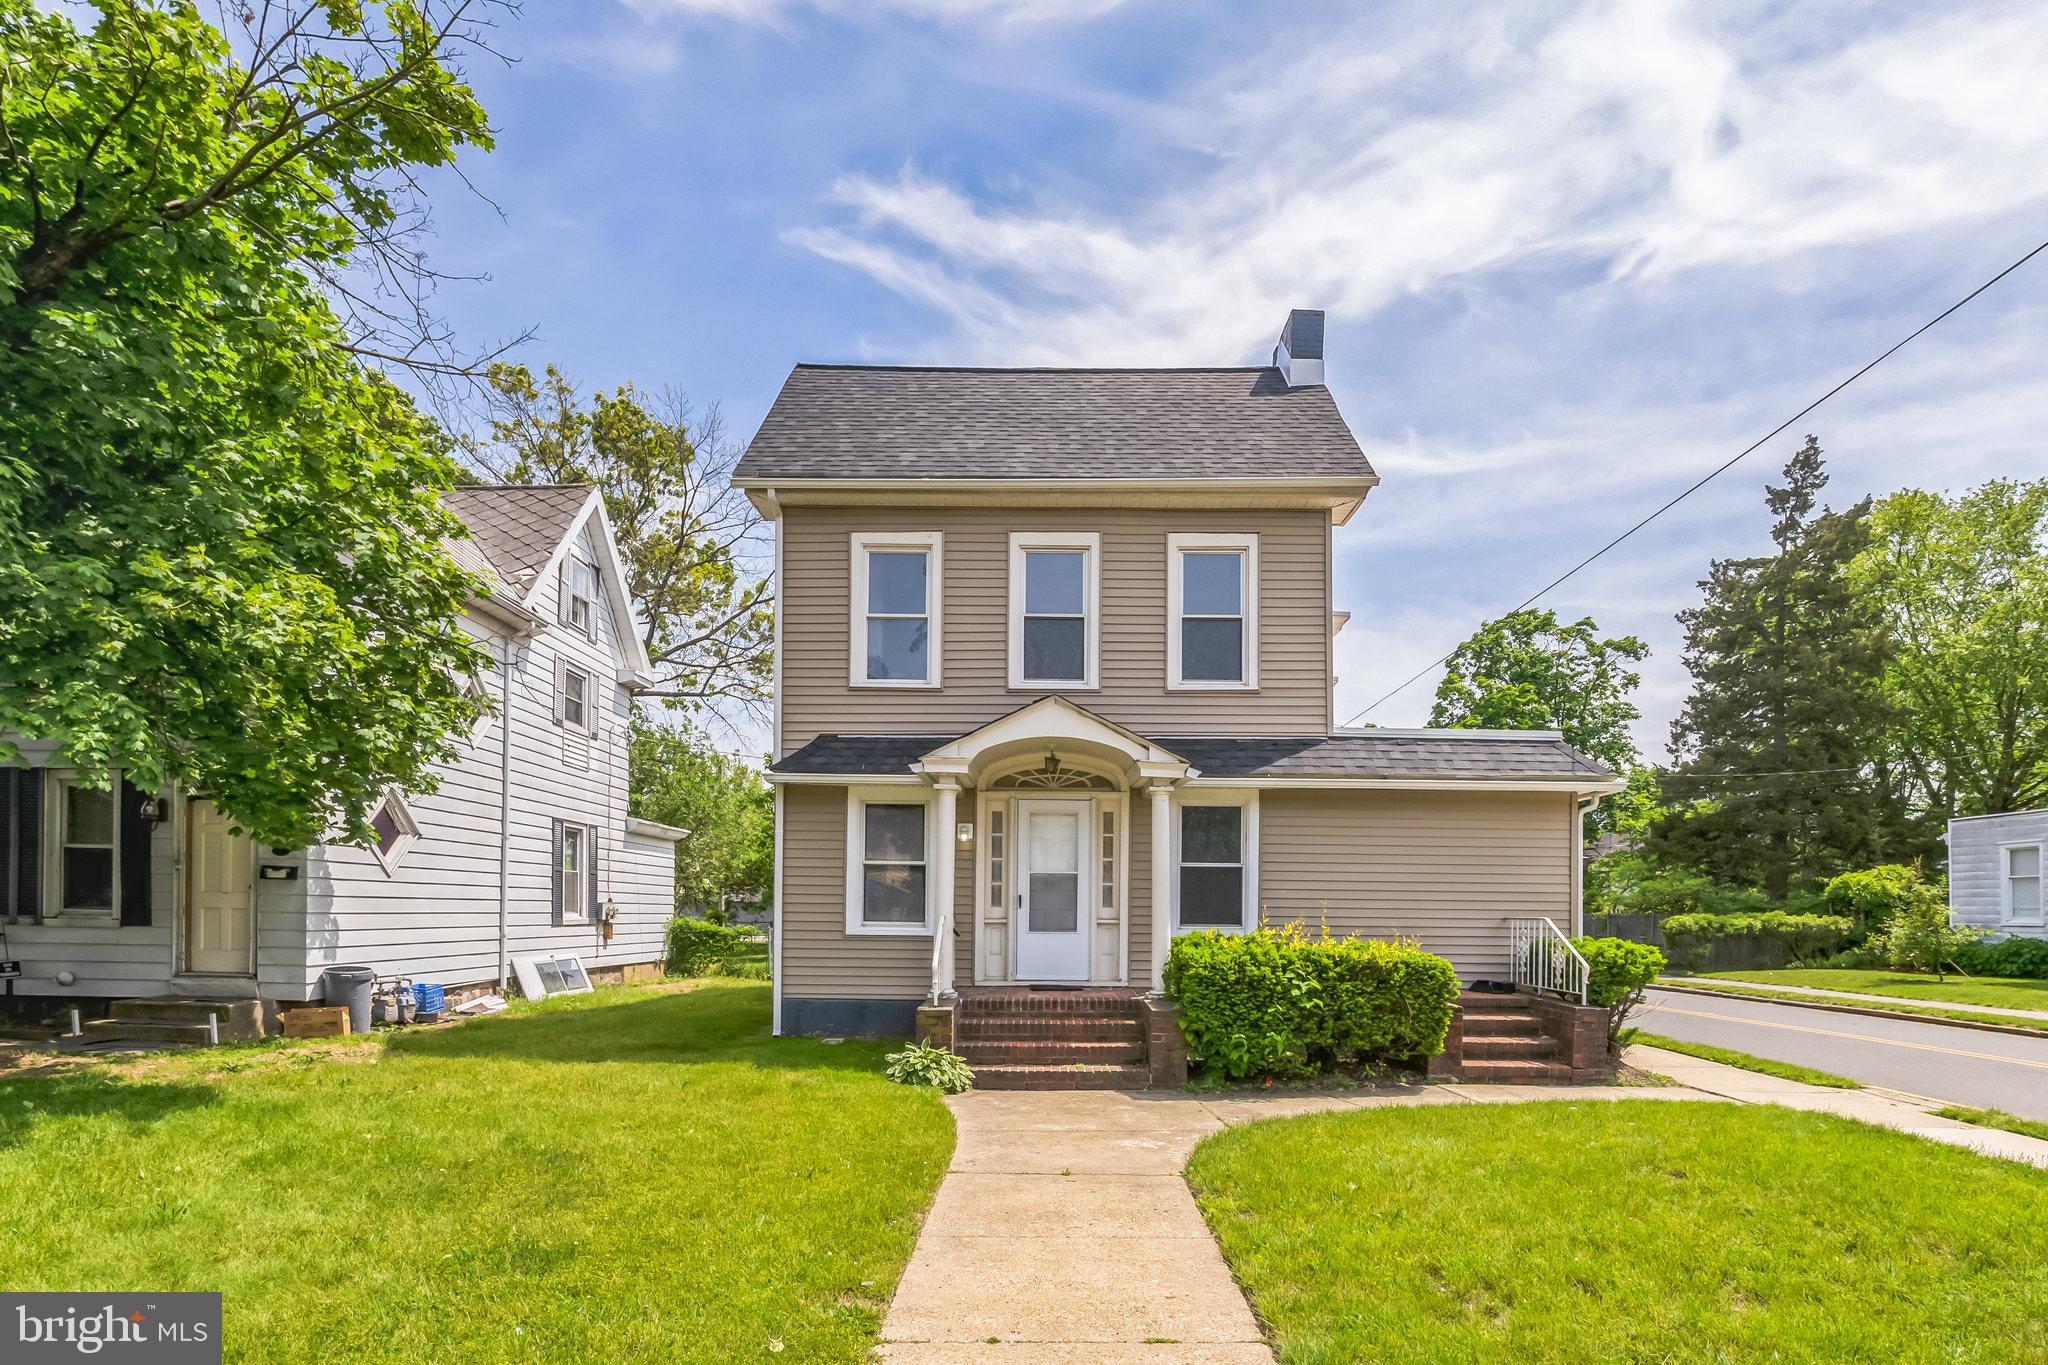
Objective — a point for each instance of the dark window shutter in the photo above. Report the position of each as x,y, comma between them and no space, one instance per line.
590,905
561,684
21,838
562,594
596,596
135,850
555,872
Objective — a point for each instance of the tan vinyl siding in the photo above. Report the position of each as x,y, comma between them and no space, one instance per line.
820,960
1445,867
1138,899
1294,623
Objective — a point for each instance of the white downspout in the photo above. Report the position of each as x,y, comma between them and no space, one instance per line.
1581,807
505,816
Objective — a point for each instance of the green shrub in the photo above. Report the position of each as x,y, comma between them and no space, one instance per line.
1920,937
698,948
1619,972
2023,957
1632,883
1798,937
1277,1002
1872,896
923,1064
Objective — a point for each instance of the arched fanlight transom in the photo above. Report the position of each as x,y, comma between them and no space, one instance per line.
1053,775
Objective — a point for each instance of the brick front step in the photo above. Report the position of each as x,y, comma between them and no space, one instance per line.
1501,1025
1120,1004
1027,1077
1054,1054
1536,1046
1515,1071
1075,1028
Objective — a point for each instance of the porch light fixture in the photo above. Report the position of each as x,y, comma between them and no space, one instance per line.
154,810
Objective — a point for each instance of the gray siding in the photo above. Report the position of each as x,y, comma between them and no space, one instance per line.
1976,891
1294,623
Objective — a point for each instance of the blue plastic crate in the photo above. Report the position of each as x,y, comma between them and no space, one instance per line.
428,998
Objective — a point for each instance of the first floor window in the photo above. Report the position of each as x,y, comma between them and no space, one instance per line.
575,858
393,828
2023,884
892,889
85,834
1213,872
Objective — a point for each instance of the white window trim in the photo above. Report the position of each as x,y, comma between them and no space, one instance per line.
2005,911
932,543
1248,800
408,830
588,725
856,851
1090,543
588,630
1178,544
56,781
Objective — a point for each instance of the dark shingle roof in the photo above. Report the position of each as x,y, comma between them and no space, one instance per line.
517,526
873,422
1361,754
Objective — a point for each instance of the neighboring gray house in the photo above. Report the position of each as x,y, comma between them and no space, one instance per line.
1994,872
524,848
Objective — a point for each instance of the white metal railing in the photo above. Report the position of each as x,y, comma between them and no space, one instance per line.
1544,959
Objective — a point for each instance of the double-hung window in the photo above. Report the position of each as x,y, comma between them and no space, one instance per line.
2022,890
1216,862
84,835
1212,608
888,875
896,597
575,866
579,598
1055,625
575,697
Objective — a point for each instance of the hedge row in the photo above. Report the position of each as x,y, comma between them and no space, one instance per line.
696,947
1800,938
1277,1002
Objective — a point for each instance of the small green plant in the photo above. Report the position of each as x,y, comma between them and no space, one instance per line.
1920,937
1620,971
923,1064
2019,957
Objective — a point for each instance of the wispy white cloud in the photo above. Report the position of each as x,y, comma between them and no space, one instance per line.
777,12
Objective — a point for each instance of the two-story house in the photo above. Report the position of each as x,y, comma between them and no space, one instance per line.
157,903
1055,684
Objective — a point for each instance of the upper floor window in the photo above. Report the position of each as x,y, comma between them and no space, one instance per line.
895,626
1055,627
2022,883
573,697
1212,636
579,598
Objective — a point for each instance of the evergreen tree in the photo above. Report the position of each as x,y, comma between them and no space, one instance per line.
1775,785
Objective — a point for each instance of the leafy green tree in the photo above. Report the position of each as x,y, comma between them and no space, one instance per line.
1962,585
689,539
1774,788
679,779
221,547
1921,937
1528,671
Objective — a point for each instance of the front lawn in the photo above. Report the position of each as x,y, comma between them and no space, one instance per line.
637,1175
1625,1230
1728,1056
2000,992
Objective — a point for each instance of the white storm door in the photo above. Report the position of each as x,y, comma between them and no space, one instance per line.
220,893
1055,910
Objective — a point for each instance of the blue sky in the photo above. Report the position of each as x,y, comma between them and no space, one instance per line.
1574,255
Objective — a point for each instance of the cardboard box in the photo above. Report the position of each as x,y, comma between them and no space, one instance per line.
315,1021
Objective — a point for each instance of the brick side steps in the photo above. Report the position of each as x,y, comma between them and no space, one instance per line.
1523,1040
1018,1039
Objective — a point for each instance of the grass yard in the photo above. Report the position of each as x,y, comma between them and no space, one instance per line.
642,1174
1999,992
1625,1230
1996,1118
1728,1056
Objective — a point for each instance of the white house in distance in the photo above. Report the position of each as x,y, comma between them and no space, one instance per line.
525,849
1994,872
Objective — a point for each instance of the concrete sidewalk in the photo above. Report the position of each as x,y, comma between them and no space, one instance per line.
1885,1108
1064,1232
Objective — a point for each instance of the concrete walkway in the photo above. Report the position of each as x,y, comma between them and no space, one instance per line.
1064,1233
1822,993
1885,1108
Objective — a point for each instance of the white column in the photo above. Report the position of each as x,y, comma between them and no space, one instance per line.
1162,881
945,892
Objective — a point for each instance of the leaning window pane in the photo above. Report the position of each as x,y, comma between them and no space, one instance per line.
895,834
1053,582
1210,834
1211,584
893,895
1212,650
896,582
88,879
1212,895
1056,649
896,649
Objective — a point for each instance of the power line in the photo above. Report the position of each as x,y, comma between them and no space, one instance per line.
1715,473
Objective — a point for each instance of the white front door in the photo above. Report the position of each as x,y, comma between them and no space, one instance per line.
220,892
1055,912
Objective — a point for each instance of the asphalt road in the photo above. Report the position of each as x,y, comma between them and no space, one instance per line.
1959,1065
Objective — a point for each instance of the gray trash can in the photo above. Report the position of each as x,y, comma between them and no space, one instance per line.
345,985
